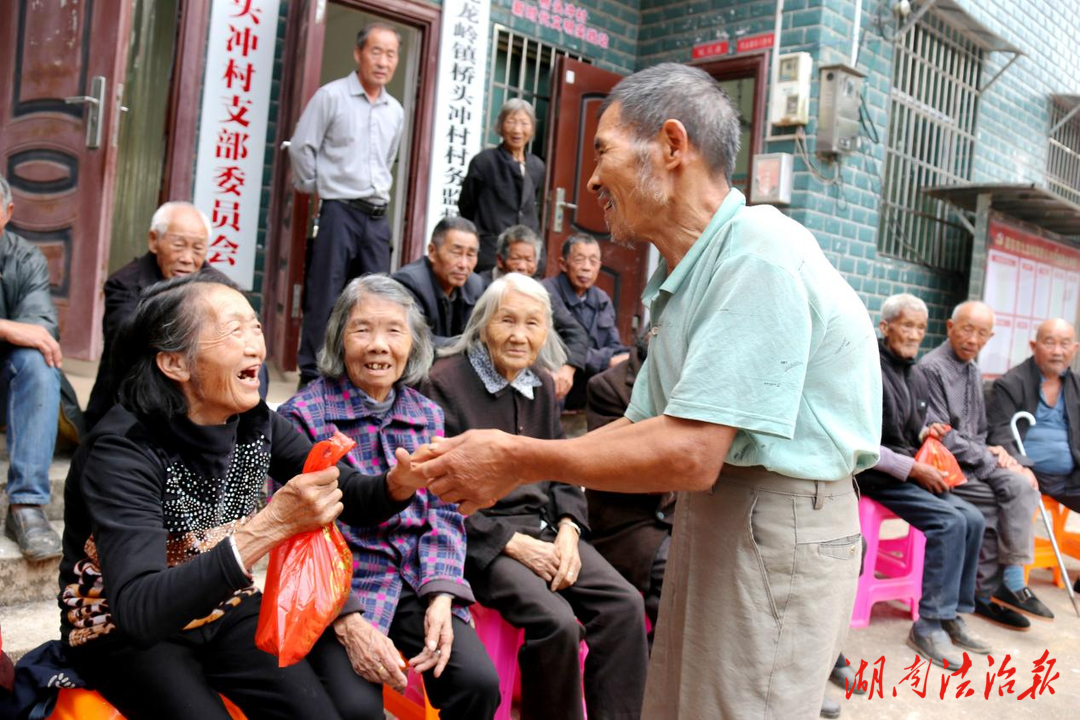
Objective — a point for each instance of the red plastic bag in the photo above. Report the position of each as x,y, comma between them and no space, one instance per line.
935,454
309,578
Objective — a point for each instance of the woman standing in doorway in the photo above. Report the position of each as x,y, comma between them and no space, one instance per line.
503,183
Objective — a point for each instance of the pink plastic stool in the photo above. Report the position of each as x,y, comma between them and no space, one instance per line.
899,560
502,642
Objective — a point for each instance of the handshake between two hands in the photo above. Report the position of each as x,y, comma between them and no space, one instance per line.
474,469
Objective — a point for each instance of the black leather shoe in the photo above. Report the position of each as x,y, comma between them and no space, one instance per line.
830,708
28,526
1076,586
1023,601
936,647
1001,615
962,637
844,677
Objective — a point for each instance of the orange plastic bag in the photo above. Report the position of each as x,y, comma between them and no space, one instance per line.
309,578
935,454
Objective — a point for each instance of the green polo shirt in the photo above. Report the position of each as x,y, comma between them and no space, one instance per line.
756,330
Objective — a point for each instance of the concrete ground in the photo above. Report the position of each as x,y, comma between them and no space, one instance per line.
886,637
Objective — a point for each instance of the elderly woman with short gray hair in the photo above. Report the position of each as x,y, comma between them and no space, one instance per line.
526,558
503,183
409,570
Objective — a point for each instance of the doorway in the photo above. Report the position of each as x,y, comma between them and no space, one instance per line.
342,25
143,135
319,40
744,79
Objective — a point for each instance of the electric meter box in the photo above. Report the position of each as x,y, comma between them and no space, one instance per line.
773,179
838,109
790,101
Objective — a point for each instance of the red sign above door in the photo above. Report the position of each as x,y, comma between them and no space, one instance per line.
710,49
755,42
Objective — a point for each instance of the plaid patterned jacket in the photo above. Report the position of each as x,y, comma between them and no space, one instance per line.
424,545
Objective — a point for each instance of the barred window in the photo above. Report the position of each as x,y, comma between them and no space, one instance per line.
1063,154
521,67
931,141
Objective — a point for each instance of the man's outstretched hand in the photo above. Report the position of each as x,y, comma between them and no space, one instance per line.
475,469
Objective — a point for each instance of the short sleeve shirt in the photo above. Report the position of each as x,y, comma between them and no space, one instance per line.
755,329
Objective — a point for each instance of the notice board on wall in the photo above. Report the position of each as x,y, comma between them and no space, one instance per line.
1028,279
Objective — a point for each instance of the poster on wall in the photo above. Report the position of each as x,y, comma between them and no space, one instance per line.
232,131
459,103
1028,279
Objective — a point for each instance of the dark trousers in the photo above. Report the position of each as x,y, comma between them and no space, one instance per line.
350,243
656,584
468,687
612,612
1057,487
954,531
181,677
1007,503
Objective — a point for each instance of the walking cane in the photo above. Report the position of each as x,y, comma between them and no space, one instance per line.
1023,415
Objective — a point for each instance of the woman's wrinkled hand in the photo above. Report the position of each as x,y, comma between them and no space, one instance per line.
372,654
539,556
438,637
307,502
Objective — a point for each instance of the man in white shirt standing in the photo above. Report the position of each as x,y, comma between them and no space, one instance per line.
344,148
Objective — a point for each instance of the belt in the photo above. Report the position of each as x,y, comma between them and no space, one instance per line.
365,207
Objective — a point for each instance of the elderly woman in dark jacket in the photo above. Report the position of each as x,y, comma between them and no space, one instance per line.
162,522
526,557
503,183
410,569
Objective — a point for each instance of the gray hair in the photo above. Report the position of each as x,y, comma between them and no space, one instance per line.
5,194
163,217
552,355
510,107
670,91
896,304
365,32
454,222
332,355
519,234
577,239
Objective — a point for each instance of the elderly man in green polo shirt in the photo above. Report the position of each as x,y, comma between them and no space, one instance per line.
762,363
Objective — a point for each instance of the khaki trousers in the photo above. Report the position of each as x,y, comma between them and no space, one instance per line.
757,598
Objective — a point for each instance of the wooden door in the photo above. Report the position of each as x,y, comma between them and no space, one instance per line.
63,188
290,211
578,90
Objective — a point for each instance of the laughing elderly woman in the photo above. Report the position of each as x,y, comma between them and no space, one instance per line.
525,555
162,522
409,570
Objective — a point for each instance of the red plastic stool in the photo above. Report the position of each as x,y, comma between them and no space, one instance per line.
898,560
502,642
413,704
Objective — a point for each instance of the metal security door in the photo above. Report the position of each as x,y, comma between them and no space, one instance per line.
579,90
63,66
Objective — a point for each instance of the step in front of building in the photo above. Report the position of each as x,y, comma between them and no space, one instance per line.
29,624
22,581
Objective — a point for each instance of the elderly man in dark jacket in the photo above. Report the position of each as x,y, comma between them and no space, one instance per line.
177,242
30,359
1044,386
444,283
918,493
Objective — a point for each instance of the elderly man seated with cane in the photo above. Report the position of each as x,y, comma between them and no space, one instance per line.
1046,387
997,484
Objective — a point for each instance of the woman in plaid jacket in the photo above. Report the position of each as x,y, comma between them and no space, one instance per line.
408,572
